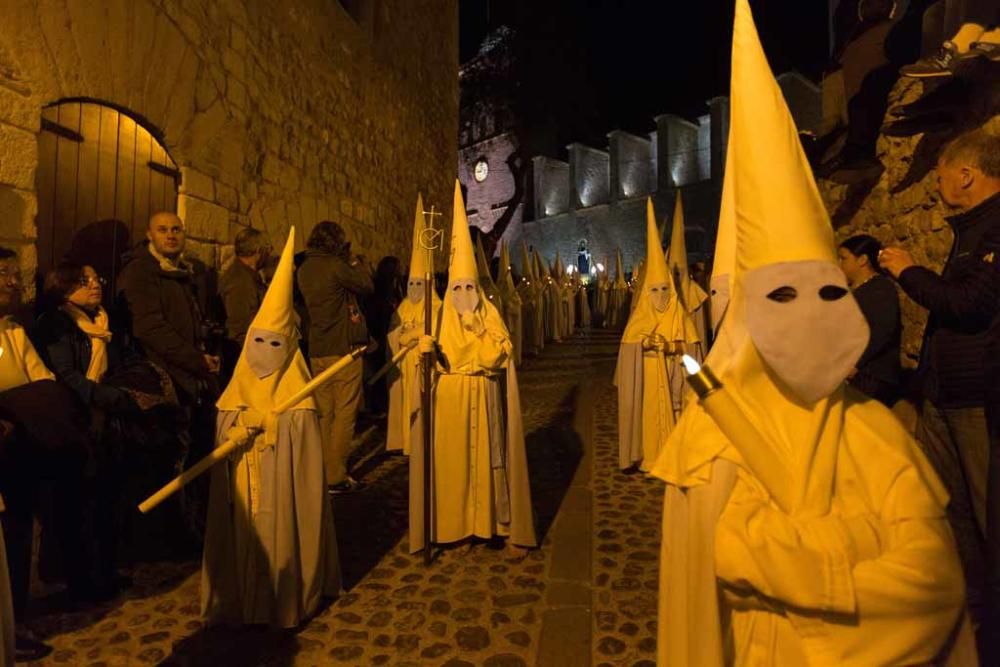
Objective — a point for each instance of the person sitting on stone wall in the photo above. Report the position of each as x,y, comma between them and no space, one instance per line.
959,427
978,36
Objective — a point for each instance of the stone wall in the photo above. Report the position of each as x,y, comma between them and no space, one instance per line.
589,174
633,172
551,186
621,224
277,113
902,209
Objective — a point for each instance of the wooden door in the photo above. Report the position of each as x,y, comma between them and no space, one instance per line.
100,176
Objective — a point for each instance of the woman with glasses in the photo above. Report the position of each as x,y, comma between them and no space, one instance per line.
73,337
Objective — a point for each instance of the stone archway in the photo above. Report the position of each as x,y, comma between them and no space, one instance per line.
101,174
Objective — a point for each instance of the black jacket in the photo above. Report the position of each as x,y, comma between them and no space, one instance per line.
66,351
878,368
159,309
958,360
242,291
332,290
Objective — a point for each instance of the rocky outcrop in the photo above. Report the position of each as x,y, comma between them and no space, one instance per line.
903,207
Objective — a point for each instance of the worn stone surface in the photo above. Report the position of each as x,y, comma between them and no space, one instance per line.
277,113
903,208
477,604
627,515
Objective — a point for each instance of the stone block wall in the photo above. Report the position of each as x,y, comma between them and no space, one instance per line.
805,101
622,224
277,114
552,189
632,169
678,150
589,170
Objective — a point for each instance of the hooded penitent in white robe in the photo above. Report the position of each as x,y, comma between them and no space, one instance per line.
618,301
843,555
645,406
404,422
553,326
533,305
270,550
513,308
693,297
479,465
602,294
583,313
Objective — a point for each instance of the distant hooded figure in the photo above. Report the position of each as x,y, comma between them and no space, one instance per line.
655,333
618,298
270,549
513,308
837,551
583,313
533,304
480,472
405,426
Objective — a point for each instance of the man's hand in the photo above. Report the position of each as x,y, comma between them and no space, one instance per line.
213,362
425,345
895,260
676,348
470,322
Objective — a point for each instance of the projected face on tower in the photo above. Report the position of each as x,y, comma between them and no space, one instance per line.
265,351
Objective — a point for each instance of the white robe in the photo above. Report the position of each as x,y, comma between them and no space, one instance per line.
273,567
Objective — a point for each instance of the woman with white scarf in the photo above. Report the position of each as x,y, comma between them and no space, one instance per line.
73,338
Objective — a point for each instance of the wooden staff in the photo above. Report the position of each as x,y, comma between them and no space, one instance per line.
427,363
396,358
223,450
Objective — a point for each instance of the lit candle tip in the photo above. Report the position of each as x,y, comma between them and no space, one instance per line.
690,364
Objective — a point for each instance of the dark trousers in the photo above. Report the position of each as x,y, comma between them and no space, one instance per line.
956,441
990,632
22,476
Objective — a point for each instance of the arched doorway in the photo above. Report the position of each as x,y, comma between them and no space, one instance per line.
100,176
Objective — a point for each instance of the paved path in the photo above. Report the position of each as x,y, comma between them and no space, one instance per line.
588,596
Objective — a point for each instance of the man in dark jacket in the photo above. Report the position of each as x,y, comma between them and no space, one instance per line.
960,359
242,289
158,299
157,294
333,284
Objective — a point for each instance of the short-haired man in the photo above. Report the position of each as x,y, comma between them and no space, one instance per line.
333,283
156,288
242,289
960,360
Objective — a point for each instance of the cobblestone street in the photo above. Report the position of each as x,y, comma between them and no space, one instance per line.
588,596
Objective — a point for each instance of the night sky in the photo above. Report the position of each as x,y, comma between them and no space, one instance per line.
618,63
